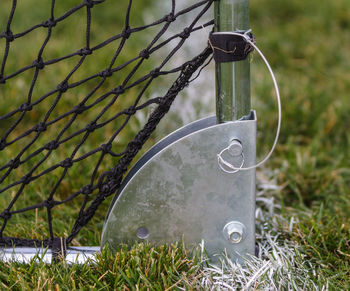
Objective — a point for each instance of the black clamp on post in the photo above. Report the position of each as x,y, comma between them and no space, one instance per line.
230,47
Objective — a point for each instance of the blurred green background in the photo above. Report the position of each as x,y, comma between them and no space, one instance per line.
307,43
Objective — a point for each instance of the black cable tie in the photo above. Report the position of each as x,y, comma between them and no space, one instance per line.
228,47
58,249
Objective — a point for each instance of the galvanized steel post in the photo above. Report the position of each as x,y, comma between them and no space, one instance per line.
232,79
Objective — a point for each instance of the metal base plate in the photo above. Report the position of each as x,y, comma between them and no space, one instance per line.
178,190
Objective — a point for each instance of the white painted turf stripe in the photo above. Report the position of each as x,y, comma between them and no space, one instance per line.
279,266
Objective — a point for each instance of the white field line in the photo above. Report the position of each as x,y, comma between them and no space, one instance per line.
279,266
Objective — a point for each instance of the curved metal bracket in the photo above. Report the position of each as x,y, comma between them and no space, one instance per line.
178,190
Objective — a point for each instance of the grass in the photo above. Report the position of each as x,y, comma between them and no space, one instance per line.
306,239
143,267
312,159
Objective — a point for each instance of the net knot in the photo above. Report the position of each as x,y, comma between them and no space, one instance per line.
119,90
79,108
40,127
39,63
8,35
49,23
85,51
25,107
91,126
106,73
67,163
2,80
106,147
63,87
186,33
126,32
14,164
155,73
6,214
2,144
49,203
52,145
170,17
130,111
89,3
106,189
86,190
26,179
144,54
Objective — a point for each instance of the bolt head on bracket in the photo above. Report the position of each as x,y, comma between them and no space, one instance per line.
234,232
235,148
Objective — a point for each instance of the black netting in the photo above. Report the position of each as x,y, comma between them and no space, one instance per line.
45,147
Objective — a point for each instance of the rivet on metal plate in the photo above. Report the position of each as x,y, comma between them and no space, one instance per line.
142,233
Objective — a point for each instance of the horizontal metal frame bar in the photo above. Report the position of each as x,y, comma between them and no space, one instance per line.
75,255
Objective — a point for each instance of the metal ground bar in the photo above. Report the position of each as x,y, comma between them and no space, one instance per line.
75,255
